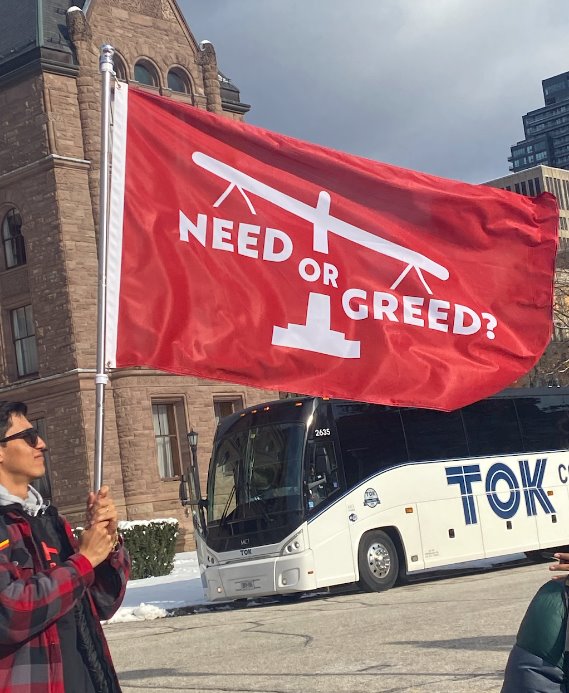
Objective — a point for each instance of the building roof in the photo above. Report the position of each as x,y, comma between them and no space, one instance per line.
32,30
230,96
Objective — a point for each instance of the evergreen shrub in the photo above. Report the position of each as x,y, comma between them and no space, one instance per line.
151,545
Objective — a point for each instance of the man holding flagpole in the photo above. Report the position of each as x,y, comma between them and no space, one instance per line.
54,590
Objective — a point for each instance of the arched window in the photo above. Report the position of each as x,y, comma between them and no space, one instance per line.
12,239
145,73
120,68
179,81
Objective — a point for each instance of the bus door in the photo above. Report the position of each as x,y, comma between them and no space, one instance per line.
506,525
328,526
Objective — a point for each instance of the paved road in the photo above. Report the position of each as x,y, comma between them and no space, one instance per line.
448,635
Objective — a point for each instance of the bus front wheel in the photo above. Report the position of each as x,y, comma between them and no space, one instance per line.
378,562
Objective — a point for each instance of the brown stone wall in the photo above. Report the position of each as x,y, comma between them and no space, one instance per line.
60,102
50,194
59,403
48,286
42,281
208,62
23,124
66,436
154,32
79,256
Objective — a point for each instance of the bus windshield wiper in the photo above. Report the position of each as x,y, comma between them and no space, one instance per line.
223,517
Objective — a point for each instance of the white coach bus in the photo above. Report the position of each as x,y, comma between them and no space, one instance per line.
308,493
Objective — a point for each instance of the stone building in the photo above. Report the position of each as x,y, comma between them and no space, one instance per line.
49,196
535,180
553,367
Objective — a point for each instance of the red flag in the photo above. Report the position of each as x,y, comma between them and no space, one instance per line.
238,254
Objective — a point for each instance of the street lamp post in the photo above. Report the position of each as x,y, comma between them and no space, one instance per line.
190,492
193,443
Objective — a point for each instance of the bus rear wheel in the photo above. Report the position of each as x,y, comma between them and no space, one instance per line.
378,562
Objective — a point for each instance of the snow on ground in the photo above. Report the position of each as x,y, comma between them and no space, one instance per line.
151,598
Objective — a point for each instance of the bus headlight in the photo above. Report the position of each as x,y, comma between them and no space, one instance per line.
294,545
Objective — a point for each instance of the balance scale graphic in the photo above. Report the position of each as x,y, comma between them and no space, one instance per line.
316,334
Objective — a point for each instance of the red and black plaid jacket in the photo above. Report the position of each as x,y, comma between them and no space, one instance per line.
34,596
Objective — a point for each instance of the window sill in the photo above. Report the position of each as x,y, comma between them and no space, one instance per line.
27,376
14,268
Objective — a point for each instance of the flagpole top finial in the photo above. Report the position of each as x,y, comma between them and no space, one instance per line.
106,58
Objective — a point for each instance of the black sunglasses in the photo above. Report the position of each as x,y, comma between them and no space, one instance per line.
30,435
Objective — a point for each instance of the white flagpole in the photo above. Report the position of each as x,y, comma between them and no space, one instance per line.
106,68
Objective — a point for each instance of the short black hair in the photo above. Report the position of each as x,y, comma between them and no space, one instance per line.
7,409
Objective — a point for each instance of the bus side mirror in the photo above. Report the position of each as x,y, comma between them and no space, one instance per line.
188,496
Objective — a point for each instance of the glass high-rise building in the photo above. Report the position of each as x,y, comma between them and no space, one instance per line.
546,129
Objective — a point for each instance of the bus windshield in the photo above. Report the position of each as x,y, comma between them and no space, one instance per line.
255,472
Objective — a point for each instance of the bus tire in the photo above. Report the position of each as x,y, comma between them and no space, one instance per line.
378,561
290,598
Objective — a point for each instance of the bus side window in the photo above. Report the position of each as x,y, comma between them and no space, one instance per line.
492,427
371,438
321,474
544,422
434,435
